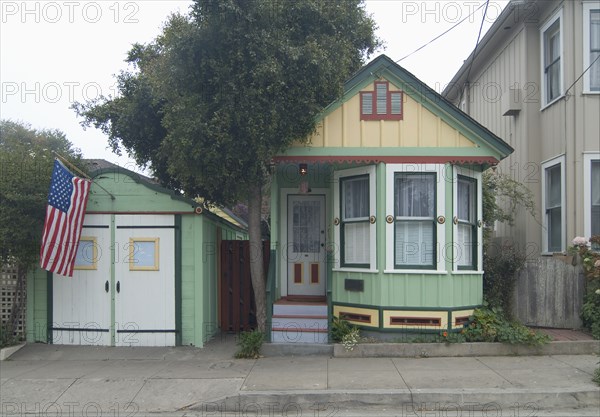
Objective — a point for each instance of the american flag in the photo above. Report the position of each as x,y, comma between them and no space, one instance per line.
67,200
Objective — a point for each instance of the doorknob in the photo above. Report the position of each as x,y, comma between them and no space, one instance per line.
118,286
106,286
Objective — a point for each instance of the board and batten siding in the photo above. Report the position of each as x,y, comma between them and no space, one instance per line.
342,128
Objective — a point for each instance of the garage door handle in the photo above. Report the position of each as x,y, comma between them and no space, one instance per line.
118,286
106,286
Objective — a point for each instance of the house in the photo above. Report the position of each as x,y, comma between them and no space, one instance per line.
376,218
534,80
146,272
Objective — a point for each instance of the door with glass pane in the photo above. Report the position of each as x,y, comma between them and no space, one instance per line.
306,245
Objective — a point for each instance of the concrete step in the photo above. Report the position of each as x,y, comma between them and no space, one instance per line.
301,322
300,309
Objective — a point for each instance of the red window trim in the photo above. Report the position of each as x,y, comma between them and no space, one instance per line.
357,317
388,114
415,321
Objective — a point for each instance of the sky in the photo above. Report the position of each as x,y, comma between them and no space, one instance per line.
55,53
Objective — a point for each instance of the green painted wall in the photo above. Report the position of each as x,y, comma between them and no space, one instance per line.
199,248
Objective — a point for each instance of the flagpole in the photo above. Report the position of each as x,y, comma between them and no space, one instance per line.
64,160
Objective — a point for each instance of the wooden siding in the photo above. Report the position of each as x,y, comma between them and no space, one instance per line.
420,128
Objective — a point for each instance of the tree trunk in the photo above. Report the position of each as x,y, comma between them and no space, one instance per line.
257,272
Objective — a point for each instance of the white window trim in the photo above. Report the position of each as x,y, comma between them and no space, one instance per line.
352,172
476,176
588,157
440,170
563,218
556,16
588,6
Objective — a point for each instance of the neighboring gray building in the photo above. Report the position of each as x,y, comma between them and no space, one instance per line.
535,82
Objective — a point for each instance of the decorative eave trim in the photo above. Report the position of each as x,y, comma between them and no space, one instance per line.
399,159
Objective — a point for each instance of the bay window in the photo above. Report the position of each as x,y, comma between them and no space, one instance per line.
414,201
354,203
467,227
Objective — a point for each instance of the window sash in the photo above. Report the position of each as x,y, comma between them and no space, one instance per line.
594,71
415,229
595,197
366,103
355,226
552,61
466,231
382,93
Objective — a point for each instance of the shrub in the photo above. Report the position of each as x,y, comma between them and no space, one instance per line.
489,324
500,277
590,262
249,344
339,329
596,378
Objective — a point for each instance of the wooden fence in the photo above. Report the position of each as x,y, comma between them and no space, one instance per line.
549,293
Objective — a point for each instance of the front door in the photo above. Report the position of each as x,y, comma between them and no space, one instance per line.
306,245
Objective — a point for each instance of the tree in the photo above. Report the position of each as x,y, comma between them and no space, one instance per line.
26,163
221,91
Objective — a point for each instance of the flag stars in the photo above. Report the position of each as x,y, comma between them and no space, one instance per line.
61,188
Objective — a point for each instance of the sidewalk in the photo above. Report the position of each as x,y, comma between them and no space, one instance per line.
72,380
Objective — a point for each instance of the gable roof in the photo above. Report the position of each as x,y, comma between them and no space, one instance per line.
384,67
97,167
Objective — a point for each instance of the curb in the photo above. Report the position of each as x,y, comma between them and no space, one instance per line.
296,349
429,350
6,352
449,401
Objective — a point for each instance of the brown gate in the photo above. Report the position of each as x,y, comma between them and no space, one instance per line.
238,312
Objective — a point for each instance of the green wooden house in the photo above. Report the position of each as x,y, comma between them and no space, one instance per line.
146,272
377,218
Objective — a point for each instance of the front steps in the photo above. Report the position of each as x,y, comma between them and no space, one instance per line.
299,322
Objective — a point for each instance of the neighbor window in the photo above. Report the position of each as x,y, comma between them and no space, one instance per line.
143,254
551,36
553,205
381,104
591,46
591,193
354,203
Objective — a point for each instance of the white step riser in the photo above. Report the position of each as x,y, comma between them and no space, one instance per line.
299,310
299,323
295,336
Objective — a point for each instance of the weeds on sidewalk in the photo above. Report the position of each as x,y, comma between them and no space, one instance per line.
249,344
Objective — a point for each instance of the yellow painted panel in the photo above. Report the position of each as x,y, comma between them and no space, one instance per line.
371,133
388,314
464,142
352,121
409,127
390,133
316,140
461,313
448,136
333,129
429,129
374,314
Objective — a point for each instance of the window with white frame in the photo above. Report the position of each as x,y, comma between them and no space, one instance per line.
413,234
354,203
591,194
467,216
553,201
552,65
591,46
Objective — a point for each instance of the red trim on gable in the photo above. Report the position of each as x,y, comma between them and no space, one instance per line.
388,102
399,159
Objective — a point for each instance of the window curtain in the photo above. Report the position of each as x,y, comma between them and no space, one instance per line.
414,200
595,50
307,237
355,220
465,238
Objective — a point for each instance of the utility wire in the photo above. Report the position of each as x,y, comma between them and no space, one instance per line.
582,74
487,3
442,34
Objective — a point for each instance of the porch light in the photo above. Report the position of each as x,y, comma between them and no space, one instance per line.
303,169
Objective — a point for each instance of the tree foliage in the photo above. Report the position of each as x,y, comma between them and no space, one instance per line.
26,163
222,90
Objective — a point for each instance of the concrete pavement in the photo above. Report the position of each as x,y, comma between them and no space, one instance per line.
53,380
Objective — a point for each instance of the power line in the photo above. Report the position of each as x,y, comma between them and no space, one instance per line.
487,3
582,74
442,34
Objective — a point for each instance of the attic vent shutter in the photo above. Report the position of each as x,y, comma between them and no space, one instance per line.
367,103
381,98
396,101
